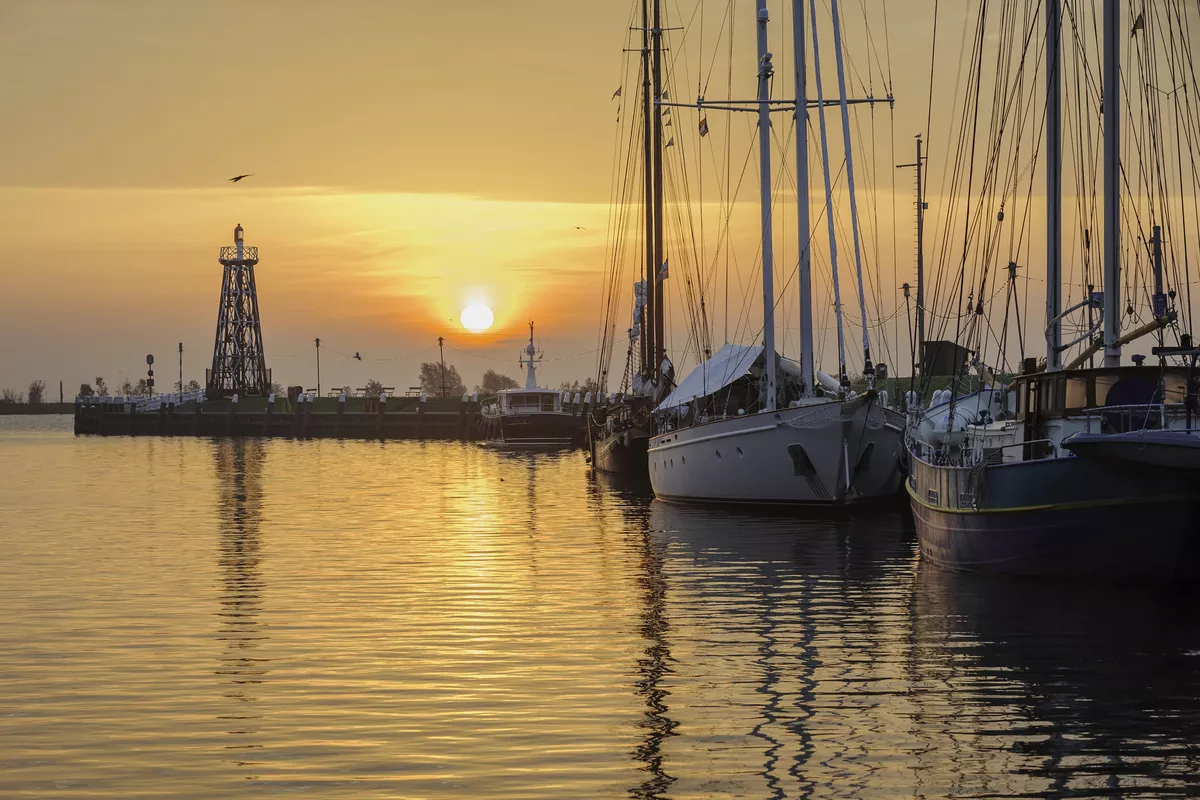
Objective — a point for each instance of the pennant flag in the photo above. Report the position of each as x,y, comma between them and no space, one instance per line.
666,112
616,94
671,143
665,95
704,126
1139,23
662,271
668,124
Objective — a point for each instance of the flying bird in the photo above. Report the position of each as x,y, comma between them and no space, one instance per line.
237,178
580,228
356,355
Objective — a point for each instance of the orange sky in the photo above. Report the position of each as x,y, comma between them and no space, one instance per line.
409,158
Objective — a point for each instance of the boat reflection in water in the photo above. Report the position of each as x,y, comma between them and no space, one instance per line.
1071,691
819,659
775,622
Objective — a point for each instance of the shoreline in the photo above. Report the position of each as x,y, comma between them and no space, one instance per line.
24,409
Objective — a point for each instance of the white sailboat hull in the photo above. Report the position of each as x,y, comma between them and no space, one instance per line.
825,453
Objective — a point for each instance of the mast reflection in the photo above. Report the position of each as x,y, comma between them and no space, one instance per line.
653,667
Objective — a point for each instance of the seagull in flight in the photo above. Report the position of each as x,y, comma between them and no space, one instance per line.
237,178
356,355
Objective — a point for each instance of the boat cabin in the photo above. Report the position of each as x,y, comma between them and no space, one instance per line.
525,401
1122,394
1044,408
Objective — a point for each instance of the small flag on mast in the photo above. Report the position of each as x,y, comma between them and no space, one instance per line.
670,143
1139,23
665,95
704,126
616,94
666,112
668,124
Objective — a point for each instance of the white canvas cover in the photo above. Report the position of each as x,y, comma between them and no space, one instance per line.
727,365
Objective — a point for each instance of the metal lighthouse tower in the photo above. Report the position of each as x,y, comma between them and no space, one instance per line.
239,365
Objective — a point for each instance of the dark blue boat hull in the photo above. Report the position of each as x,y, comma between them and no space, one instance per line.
1119,542
1066,517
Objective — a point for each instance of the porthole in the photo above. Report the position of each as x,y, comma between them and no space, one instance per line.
683,459
672,462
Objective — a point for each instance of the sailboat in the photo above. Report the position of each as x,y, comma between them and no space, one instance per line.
1070,470
532,416
749,427
619,431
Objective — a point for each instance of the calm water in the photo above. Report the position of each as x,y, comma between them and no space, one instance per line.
195,618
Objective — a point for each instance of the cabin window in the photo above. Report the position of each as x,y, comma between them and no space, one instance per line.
1176,386
932,497
1053,394
547,402
1077,393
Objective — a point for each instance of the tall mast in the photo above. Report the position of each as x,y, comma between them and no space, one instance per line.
531,362
868,370
837,292
805,241
765,71
920,249
1054,185
648,117
1112,173
920,165
656,34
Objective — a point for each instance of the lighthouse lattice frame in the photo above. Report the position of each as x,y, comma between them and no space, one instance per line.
239,364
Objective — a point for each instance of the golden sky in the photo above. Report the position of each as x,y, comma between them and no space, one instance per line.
409,158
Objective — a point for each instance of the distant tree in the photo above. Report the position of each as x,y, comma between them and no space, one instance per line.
37,392
126,388
142,389
493,382
583,388
276,389
432,380
101,387
373,388
86,390
10,396
192,386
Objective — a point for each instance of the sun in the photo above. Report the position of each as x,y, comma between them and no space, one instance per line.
477,318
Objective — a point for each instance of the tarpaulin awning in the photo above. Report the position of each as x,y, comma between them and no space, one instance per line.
727,365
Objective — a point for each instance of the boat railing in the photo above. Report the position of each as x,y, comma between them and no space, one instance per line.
1133,417
986,455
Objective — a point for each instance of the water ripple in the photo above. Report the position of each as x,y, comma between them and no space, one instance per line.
199,618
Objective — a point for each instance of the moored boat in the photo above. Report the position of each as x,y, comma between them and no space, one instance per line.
1069,470
530,417
748,426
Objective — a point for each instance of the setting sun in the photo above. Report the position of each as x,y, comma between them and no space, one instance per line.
477,318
